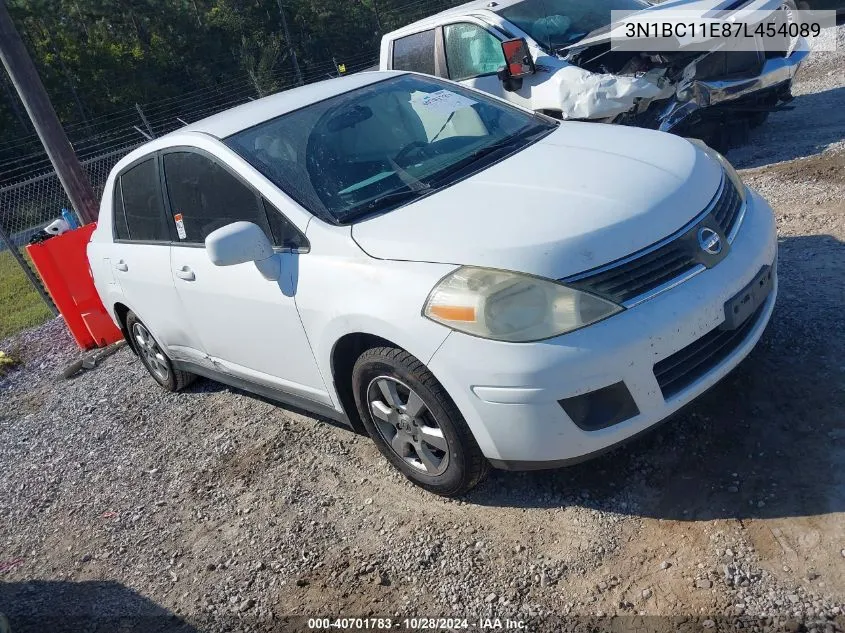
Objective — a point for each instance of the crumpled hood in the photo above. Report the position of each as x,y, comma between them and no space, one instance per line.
584,196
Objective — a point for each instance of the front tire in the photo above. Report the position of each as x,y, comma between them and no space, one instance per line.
414,422
155,360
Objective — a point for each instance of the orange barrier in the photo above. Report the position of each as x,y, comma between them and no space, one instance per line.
63,266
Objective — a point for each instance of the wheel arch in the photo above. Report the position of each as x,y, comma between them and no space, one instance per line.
346,350
121,310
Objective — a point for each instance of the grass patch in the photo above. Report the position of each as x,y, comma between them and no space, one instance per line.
7,363
20,304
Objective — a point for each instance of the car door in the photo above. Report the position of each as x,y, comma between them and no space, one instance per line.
140,256
249,326
473,58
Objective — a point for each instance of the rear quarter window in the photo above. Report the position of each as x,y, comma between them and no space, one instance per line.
415,53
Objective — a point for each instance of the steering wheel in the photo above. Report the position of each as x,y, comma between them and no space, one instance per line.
410,147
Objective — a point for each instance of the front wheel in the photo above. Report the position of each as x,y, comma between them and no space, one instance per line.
414,422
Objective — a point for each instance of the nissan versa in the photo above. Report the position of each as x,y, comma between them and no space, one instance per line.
468,282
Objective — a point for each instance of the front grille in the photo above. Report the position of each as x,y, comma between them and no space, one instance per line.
678,371
636,277
727,207
655,266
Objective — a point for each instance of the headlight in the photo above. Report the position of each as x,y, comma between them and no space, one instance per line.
730,172
514,307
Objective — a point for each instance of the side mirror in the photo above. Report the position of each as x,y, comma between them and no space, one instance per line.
518,60
242,242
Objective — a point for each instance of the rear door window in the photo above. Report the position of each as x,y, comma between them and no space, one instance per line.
142,203
205,196
415,53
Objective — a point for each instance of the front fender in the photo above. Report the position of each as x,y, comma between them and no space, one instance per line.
362,295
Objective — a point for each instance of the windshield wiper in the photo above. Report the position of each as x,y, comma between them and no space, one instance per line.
481,152
420,189
382,202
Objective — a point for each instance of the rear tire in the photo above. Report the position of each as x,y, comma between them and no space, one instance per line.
155,360
414,422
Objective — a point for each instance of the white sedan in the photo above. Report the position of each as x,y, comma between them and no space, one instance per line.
468,282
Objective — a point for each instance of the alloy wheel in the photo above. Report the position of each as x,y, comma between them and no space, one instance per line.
407,425
154,358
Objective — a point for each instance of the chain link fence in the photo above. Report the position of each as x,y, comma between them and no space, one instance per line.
29,205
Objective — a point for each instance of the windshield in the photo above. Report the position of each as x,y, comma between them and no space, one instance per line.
555,24
377,147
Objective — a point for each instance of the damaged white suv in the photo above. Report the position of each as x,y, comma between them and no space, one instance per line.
395,251
568,67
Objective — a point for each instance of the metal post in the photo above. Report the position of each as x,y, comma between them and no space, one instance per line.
35,281
146,123
28,84
142,133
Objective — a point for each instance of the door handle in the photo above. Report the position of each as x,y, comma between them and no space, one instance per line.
186,273
121,266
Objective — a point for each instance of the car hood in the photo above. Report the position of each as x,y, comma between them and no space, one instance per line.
581,197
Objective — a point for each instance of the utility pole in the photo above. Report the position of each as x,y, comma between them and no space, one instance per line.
28,84
289,43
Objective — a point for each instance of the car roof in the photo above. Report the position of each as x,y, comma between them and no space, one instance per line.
250,114
475,6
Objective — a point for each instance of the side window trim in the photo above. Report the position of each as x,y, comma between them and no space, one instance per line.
259,198
118,191
440,67
171,225
484,27
168,207
155,156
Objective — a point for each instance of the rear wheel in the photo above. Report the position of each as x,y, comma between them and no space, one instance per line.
155,360
414,422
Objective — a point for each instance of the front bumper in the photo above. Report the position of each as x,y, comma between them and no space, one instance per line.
776,73
508,393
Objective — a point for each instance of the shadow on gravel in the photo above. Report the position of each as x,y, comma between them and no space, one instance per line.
95,606
815,121
768,441
207,385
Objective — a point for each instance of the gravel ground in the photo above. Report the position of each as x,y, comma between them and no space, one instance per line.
213,510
